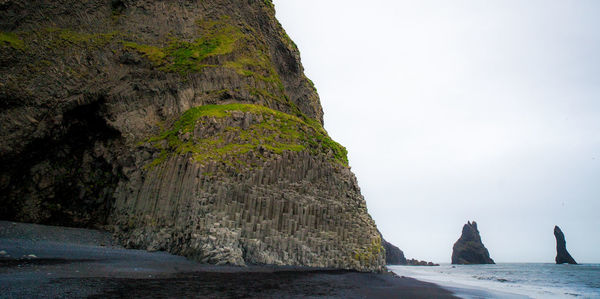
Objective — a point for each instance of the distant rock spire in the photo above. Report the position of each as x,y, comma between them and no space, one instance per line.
469,249
562,255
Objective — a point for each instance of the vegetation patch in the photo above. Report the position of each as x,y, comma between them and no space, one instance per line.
66,37
272,132
258,66
238,45
269,4
156,55
370,253
12,40
181,56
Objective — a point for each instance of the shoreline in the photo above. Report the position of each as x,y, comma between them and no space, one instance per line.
83,263
474,292
510,280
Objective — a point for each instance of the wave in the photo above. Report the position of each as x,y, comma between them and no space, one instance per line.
513,280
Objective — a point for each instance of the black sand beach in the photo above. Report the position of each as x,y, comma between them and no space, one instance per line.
55,262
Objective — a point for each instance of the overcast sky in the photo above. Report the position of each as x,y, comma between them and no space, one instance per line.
464,110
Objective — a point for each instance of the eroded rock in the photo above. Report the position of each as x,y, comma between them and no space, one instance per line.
562,255
469,249
415,262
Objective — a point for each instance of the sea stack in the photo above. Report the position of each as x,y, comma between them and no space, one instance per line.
469,249
562,255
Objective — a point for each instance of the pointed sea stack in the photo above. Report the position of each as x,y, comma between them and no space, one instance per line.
562,255
469,249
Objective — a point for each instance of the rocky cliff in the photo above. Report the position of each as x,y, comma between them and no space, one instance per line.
393,254
562,255
469,249
185,126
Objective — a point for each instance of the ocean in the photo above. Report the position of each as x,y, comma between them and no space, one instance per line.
511,280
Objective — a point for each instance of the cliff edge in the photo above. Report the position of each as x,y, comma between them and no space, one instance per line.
186,126
469,249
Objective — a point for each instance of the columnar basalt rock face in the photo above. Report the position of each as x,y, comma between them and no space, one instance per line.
103,126
562,255
469,249
246,184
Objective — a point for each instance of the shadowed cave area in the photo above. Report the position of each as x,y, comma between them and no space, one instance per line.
67,177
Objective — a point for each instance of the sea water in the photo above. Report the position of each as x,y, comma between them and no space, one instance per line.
511,280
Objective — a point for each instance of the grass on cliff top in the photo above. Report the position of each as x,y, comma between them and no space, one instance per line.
276,133
12,40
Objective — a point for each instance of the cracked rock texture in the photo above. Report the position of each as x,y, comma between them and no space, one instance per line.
100,126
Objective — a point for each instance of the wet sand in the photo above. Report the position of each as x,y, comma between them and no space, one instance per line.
77,263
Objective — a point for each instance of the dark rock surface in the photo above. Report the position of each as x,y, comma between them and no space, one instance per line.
469,249
562,255
393,254
102,127
415,262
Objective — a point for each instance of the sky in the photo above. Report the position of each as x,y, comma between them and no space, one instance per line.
454,111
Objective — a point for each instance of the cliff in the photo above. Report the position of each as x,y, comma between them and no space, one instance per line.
393,254
562,255
469,249
185,126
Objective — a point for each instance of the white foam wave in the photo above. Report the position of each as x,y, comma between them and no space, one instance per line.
507,280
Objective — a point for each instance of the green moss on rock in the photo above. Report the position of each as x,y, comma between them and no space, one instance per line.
11,40
63,37
269,4
275,132
217,37
156,55
371,253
